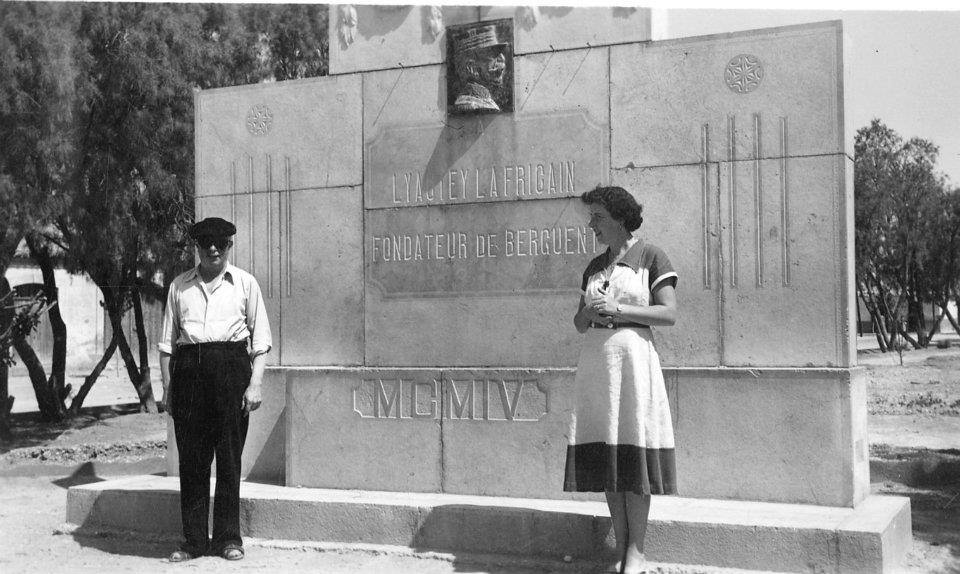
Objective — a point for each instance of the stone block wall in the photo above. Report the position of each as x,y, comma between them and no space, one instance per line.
412,259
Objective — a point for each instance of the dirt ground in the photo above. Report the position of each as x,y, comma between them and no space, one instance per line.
914,425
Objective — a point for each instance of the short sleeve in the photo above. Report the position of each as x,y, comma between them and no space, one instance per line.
661,270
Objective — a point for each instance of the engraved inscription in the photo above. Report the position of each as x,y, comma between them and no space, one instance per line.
503,249
743,73
484,159
493,182
472,399
259,120
404,247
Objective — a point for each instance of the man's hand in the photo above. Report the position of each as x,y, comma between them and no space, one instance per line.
252,397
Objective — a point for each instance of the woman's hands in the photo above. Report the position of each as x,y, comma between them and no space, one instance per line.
602,306
594,309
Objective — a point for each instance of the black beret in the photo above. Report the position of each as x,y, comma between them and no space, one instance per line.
213,227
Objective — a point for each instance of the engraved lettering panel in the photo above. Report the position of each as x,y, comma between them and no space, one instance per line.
484,159
397,397
487,397
505,249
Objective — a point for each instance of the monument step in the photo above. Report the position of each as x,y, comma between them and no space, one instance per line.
873,537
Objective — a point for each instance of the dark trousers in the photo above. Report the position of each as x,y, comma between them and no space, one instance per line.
208,382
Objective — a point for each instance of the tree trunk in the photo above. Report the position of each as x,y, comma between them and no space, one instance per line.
48,402
917,323
906,337
40,252
144,388
950,317
6,403
92,377
876,318
145,395
936,322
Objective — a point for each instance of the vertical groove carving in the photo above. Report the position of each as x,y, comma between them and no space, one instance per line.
269,226
233,203
732,184
289,226
758,197
251,257
705,198
784,205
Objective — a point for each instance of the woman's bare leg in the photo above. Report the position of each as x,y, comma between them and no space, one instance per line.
616,501
638,513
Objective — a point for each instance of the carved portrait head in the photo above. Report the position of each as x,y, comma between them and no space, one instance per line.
480,67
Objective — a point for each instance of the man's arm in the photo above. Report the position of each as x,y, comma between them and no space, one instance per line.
253,396
165,376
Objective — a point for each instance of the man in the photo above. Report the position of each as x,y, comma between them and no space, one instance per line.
211,382
480,64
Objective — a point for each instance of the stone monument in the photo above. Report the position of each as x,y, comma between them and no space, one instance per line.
421,267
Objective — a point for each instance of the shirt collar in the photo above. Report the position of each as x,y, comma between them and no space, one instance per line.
631,258
227,272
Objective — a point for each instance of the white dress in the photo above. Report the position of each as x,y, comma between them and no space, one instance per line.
621,433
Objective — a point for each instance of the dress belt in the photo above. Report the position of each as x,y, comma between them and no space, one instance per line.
618,325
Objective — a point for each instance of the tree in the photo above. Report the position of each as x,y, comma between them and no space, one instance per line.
36,95
132,181
899,216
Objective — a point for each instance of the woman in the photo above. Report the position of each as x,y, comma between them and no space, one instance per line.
621,435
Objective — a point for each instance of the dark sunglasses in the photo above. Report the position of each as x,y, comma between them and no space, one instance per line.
205,241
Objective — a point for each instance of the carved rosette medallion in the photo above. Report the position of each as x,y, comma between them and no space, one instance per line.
259,120
743,74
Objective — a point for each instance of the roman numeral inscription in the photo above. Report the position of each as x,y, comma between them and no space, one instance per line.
467,399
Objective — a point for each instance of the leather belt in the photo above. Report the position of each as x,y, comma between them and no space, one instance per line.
213,345
616,325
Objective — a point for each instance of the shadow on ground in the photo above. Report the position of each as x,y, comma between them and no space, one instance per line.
29,430
931,479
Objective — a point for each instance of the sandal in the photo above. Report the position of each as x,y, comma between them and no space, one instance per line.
232,552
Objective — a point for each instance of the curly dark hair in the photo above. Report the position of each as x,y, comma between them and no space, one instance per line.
619,203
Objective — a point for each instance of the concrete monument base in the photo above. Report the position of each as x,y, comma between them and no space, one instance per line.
872,537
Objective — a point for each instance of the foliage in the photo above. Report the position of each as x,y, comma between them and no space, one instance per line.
907,241
18,319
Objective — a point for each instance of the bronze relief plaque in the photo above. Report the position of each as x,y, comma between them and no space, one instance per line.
480,68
